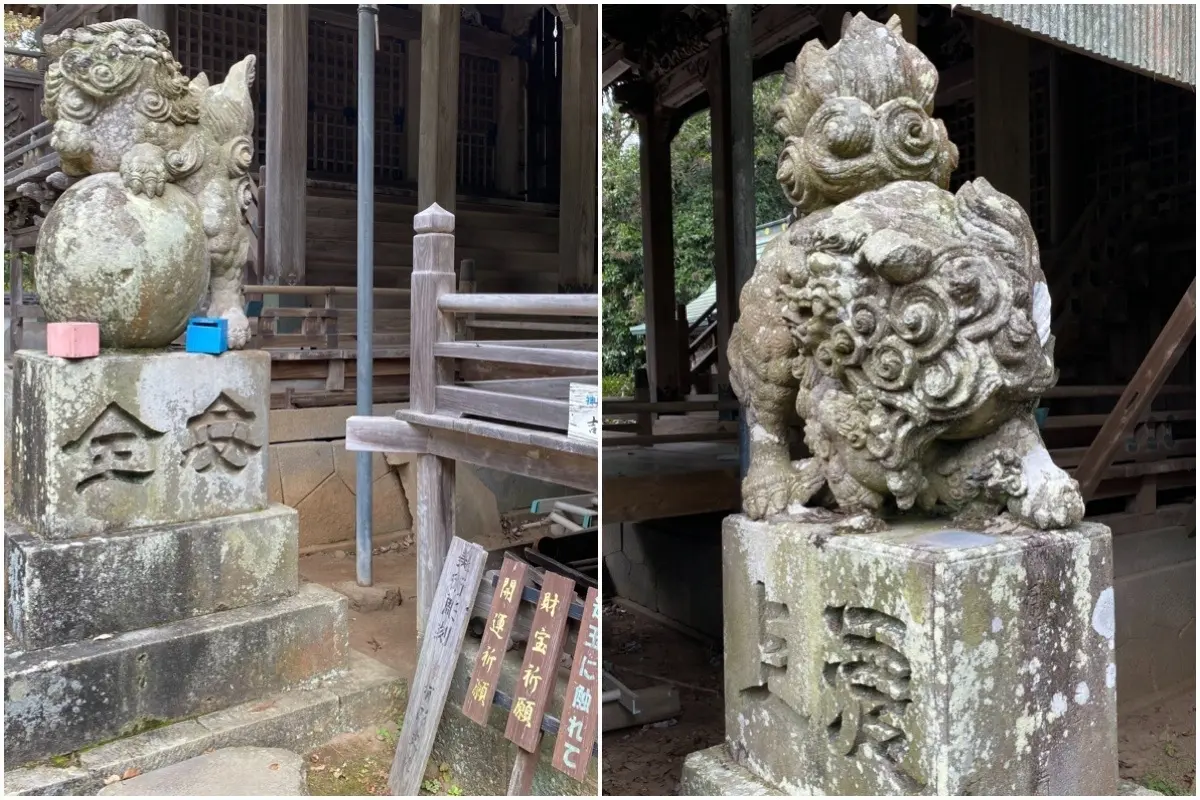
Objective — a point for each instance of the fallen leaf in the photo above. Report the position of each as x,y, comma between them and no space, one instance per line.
132,772
319,768
274,767
111,779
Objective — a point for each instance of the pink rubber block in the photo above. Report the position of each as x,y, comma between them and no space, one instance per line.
73,339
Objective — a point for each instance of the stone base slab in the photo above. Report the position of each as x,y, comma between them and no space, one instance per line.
228,772
60,699
363,694
920,660
132,440
60,592
712,773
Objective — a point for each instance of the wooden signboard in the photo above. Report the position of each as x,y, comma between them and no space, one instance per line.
581,702
583,412
503,613
540,667
442,642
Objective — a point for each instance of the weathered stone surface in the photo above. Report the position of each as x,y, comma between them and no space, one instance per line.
921,660
712,773
480,757
228,772
61,592
476,513
127,441
362,694
171,158
62,698
134,265
908,327
377,597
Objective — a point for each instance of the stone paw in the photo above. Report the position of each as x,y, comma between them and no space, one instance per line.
144,172
1052,503
769,490
238,328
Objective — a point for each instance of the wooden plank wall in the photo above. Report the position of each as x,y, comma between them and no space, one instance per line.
514,245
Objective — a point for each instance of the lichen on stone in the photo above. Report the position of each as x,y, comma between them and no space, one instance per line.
908,327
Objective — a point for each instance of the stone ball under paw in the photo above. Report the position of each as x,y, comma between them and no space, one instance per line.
137,266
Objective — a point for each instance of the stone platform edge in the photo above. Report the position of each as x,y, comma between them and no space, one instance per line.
713,773
363,694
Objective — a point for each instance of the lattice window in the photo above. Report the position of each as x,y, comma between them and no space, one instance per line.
478,86
333,100
391,111
211,39
544,97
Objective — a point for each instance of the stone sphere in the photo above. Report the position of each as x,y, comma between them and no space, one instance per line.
136,265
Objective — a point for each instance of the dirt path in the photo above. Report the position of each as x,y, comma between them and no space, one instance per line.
648,760
1158,745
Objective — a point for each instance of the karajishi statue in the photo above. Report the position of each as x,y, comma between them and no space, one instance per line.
908,327
155,232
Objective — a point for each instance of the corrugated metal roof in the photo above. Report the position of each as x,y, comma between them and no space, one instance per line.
1158,39
702,302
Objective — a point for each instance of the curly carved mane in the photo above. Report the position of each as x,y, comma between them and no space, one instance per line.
101,62
857,116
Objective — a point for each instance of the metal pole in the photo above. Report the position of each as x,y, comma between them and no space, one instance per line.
741,113
365,363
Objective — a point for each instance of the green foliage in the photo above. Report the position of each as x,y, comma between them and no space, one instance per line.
692,190
616,386
20,32
1162,786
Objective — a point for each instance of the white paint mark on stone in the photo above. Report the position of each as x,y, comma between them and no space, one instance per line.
996,625
1104,616
1041,311
1082,693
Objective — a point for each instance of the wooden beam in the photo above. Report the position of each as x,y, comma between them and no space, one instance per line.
1168,348
577,192
286,158
614,64
1002,109
658,253
510,354
518,408
437,157
524,452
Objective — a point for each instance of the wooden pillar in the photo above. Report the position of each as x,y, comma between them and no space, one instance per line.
438,154
412,112
577,182
722,174
433,276
508,128
286,158
658,253
154,15
908,21
1002,110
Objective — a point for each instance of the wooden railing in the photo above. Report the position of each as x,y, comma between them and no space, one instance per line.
28,157
514,425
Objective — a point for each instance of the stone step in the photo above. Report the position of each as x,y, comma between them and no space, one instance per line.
228,772
60,699
60,592
359,696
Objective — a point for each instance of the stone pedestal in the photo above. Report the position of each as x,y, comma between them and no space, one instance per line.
920,660
150,587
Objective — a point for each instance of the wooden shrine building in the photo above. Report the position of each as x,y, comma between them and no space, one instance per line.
1086,115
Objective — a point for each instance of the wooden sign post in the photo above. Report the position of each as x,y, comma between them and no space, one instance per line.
443,637
581,703
496,633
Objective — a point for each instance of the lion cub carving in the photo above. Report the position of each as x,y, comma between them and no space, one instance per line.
908,327
120,103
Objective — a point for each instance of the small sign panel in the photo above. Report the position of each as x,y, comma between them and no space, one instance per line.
503,614
581,702
583,416
540,668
